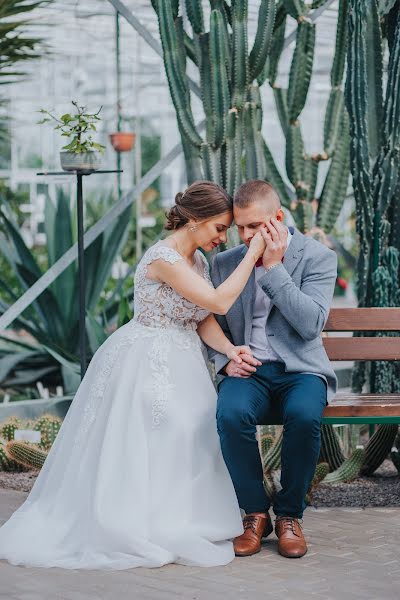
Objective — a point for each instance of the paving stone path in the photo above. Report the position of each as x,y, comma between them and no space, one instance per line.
353,554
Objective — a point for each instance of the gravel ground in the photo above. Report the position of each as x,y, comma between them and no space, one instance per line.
382,489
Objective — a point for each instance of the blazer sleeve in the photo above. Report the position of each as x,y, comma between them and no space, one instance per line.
305,308
220,360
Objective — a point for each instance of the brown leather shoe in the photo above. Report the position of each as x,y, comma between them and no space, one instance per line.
291,542
256,526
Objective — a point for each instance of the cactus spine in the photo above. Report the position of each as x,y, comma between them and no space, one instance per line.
375,164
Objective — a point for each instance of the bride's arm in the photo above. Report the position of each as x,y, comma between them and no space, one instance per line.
212,335
194,288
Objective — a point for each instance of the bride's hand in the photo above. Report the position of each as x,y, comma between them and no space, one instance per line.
234,353
257,245
242,363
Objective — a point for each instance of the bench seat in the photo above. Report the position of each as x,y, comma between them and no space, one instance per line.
363,408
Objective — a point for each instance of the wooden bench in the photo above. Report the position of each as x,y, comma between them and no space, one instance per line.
363,408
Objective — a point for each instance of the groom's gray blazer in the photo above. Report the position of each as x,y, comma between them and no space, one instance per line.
301,291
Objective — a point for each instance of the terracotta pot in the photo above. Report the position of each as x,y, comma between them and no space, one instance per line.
122,141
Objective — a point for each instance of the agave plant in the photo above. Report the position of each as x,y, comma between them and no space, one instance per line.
53,319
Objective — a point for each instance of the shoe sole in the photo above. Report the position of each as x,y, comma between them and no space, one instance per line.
267,531
292,555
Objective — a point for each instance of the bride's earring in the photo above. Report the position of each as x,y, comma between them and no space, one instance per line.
193,228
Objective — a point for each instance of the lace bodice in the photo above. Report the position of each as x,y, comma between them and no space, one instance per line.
156,304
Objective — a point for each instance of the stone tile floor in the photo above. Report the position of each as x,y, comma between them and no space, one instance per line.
353,554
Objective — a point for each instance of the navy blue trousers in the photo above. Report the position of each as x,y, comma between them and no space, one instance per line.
271,396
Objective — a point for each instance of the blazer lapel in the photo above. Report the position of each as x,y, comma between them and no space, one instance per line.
248,297
294,252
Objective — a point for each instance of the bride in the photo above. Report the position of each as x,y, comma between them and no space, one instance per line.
136,476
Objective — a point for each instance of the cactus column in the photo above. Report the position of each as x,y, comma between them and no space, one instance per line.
230,76
375,163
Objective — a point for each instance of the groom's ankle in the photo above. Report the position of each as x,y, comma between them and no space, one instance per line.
261,513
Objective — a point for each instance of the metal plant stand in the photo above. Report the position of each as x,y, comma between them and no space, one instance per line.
81,254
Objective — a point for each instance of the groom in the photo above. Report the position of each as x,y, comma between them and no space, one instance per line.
279,315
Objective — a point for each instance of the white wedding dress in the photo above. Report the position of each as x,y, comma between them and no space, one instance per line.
136,475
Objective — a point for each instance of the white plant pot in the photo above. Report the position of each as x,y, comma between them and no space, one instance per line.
86,162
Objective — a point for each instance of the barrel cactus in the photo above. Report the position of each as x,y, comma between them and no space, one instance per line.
8,427
21,455
6,462
48,425
26,454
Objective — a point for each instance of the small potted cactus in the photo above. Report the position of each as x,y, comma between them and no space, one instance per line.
82,153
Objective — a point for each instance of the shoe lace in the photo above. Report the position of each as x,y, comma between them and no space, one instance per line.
290,524
249,522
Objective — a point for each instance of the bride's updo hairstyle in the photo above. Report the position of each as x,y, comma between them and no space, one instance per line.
200,201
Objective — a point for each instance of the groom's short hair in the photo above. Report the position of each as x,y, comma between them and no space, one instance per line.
255,189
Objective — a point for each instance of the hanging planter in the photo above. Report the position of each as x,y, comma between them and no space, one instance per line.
122,141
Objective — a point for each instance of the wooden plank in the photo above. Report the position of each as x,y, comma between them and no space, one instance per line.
366,348
364,405
363,319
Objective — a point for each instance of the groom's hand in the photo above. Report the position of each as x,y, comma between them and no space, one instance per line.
246,368
275,237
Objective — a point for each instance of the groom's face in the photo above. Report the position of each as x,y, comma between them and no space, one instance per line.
251,219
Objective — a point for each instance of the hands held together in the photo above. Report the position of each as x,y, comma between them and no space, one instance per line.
242,363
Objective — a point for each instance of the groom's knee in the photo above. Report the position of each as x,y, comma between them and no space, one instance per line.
233,412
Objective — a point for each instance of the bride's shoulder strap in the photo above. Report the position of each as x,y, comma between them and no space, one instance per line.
161,251
206,266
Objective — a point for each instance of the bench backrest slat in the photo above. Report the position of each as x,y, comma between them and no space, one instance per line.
365,348
363,319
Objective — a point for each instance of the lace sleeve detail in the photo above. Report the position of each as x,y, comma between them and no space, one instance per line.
168,254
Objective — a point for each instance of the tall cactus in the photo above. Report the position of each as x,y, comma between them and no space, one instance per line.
234,148
230,75
375,163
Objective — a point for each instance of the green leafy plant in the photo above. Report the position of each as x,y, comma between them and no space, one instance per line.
77,127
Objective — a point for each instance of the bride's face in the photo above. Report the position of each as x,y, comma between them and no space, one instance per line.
212,233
